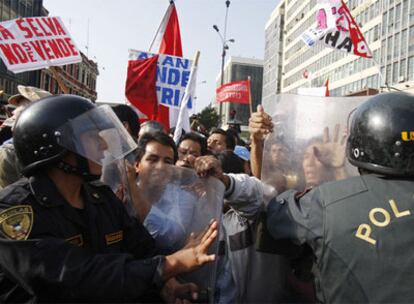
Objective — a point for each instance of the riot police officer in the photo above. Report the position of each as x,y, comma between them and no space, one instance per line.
360,229
65,236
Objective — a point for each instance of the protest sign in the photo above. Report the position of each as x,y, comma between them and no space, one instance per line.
336,28
172,77
34,43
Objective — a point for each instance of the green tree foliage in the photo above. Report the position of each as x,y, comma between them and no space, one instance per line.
208,118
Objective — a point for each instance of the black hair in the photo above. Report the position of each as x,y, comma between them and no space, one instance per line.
152,126
126,114
230,139
158,137
196,138
230,162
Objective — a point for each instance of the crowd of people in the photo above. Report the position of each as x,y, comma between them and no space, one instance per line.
96,207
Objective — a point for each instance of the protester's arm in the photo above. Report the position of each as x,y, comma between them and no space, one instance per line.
296,216
206,166
245,195
260,124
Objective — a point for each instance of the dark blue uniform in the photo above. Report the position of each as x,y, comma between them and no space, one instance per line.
52,252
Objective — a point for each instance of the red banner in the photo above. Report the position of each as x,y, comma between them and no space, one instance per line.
238,91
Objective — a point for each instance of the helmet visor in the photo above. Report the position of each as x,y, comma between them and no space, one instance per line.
97,135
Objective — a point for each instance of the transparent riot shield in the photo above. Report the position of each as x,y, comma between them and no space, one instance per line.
118,175
308,145
182,204
173,203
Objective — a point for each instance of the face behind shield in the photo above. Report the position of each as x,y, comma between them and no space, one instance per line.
98,136
182,204
308,145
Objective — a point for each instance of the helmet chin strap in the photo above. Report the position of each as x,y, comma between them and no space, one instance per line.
82,169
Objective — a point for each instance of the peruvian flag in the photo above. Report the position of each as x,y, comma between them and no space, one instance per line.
141,76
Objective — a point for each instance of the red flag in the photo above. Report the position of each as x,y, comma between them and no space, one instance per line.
171,39
140,86
237,91
327,88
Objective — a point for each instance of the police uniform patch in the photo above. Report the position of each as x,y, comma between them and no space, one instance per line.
76,240
115,237
16,222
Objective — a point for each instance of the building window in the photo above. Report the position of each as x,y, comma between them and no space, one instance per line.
411,68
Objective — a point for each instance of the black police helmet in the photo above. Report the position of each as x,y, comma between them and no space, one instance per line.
380,139
35,135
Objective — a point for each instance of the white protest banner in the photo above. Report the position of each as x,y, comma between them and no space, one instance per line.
172,77
34,43
336,28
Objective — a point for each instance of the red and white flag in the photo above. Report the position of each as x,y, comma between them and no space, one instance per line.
168,41
336,28
237,91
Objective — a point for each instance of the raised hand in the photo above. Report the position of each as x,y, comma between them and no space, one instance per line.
332,151
206,166
260,124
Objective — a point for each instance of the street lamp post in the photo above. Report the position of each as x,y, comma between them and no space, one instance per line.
225,47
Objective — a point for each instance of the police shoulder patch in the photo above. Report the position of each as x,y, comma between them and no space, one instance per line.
114,237
16,222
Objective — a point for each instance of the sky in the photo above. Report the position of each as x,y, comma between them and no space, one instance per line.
106,29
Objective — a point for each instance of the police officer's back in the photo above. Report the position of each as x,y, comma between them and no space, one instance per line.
64,236
360,229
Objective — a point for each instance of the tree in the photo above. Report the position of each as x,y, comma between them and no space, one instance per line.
209,118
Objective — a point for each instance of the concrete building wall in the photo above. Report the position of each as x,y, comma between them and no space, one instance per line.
272,66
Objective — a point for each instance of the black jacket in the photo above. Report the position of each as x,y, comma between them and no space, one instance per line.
95,254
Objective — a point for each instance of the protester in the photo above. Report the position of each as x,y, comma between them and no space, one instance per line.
190,146
19,102
220,140
66,237
157,151
9,164
151,126
230,162
359,229
129,119
243,153
244,275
